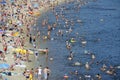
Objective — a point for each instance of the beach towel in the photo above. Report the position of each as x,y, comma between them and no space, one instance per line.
4,66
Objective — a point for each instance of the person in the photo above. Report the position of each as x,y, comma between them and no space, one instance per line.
66,77
111,70
5,48
46,72
30,76
39,72
1,77
93,56
3,57
103,68
70,57
36,55
36,73
27,74
30,39
87,66
98,76
27,55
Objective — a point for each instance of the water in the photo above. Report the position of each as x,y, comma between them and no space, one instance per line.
100,27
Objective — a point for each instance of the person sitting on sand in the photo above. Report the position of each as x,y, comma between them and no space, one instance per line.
11,68
2,55
1,77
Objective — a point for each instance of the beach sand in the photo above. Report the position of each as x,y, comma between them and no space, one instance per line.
26,17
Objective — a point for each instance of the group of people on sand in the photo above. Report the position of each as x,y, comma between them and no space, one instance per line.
17,18
38,73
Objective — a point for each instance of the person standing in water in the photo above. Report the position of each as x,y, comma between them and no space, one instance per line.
46,73
39,72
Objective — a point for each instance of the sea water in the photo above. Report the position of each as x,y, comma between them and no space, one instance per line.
99,26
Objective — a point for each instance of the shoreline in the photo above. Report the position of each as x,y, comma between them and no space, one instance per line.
22,33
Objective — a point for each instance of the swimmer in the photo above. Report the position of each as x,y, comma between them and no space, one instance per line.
93,56
66,77
111,71
76,72
87,66
84,43
77,64
103,67
99,77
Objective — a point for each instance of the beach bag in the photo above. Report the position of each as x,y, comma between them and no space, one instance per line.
9,74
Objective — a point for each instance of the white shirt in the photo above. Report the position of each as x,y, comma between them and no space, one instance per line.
39,71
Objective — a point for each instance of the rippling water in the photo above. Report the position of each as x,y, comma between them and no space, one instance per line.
100,27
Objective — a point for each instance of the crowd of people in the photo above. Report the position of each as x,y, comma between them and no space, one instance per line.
38,73
17,21
17,18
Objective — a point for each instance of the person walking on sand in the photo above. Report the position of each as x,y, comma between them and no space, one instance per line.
30,39
36,55
5,48
46,73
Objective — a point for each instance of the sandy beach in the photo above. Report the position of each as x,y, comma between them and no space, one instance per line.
17,18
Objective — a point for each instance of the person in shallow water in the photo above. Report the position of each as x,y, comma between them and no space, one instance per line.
46,73
39,72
